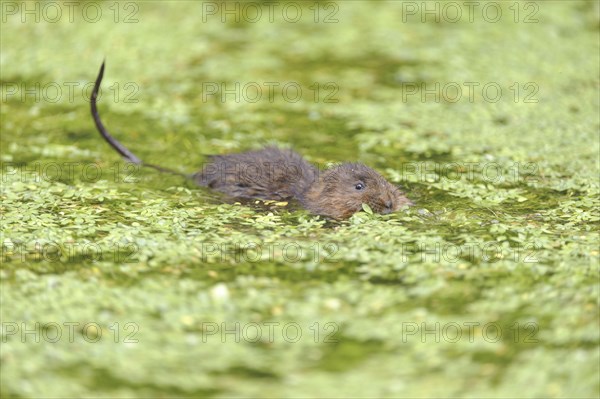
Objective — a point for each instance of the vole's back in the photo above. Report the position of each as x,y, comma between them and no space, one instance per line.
270,174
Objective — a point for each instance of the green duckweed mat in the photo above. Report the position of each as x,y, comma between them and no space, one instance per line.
123,282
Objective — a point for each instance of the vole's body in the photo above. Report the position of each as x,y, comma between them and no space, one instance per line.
281,174
271,174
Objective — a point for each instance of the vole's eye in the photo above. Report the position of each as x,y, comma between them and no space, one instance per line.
359,186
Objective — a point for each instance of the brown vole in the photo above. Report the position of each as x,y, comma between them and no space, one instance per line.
279,174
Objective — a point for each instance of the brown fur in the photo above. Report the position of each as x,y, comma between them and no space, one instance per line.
277,174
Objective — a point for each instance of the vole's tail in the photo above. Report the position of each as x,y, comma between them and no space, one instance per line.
114,143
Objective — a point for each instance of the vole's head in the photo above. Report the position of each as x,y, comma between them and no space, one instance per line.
341,191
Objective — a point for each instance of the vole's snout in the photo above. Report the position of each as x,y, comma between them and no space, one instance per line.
386,205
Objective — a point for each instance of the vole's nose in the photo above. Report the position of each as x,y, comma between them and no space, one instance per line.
387,203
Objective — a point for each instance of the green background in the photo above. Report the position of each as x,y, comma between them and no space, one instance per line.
488,287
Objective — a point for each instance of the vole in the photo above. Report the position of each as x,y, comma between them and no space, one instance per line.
281,174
